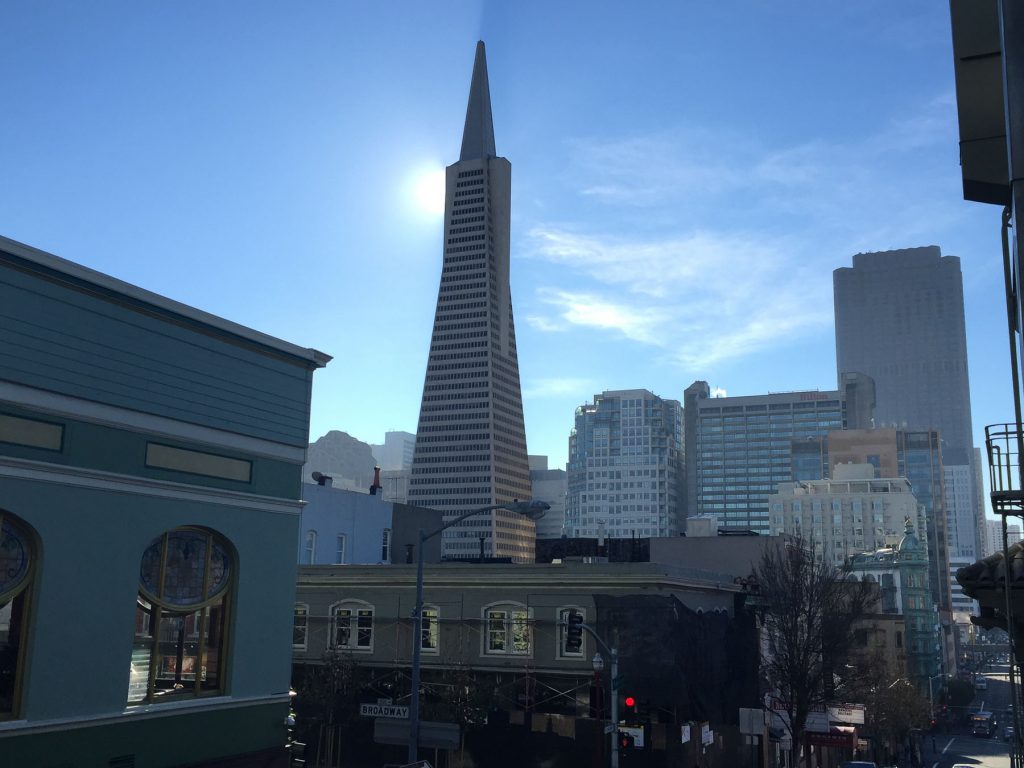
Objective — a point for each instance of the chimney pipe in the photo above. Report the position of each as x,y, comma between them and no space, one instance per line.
376,482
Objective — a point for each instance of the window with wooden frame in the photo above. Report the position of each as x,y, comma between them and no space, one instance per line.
181,617
508,630
352,626
17,567
430,637
300,626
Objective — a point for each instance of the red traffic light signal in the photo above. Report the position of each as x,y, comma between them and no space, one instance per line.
630,701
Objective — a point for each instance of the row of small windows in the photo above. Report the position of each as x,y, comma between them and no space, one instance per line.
508,628
465,211
465,238
471,183
474,172
465,220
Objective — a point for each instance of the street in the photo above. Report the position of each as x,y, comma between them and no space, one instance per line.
959,746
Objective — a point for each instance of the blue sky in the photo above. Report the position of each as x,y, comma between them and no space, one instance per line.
686,176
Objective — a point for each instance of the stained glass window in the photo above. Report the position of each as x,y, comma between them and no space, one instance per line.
16,569
184,580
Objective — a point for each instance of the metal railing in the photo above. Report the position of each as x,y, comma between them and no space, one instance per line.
1005,446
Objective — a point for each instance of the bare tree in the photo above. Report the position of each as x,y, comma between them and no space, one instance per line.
807,610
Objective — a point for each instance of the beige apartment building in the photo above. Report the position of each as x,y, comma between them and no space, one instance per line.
853,513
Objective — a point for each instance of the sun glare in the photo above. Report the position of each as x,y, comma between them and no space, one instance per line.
428,192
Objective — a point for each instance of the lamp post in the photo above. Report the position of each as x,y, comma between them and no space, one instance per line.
534,510
613,703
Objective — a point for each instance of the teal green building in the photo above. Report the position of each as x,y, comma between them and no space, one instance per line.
150,470
902,575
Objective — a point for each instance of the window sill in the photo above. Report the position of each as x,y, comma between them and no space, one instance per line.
141,711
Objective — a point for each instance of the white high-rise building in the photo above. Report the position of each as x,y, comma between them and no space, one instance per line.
626,467
396,451
994,536
471,443
852,513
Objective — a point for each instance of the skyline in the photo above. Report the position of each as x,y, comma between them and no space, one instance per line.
686,179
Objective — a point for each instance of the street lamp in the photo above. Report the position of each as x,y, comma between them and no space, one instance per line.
533,510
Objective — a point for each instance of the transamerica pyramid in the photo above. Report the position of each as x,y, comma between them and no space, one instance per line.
470,442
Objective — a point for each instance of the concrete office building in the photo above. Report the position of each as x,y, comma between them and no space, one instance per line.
900,320
738,449
963,527
396,452
625,467
852,513
150,469
916,456
550,485
471,442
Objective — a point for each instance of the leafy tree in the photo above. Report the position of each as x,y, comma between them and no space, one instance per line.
807,610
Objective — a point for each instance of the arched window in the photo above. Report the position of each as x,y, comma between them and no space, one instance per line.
17,564
182,611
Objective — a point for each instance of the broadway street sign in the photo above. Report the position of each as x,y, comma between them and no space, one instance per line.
384,710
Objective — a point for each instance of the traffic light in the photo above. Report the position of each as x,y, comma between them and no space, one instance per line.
628,704
626,741
574,632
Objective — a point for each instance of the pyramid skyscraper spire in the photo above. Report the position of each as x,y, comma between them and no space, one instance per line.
470,442
478,135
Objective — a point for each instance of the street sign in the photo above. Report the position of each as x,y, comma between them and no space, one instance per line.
384,710
609,728
684,733
846,713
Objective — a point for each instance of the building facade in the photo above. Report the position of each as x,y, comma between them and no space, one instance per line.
738,449
550,485
343,527
916,456
625,467
150,468
494,641
471,443
396,452
994,536
902,575
900,320
853,513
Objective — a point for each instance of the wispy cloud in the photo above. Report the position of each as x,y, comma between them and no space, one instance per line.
718,245
701,298
558,387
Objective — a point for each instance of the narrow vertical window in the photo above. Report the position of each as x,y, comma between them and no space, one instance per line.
300,626
17,563
339,552
309,557
431,634
385,546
